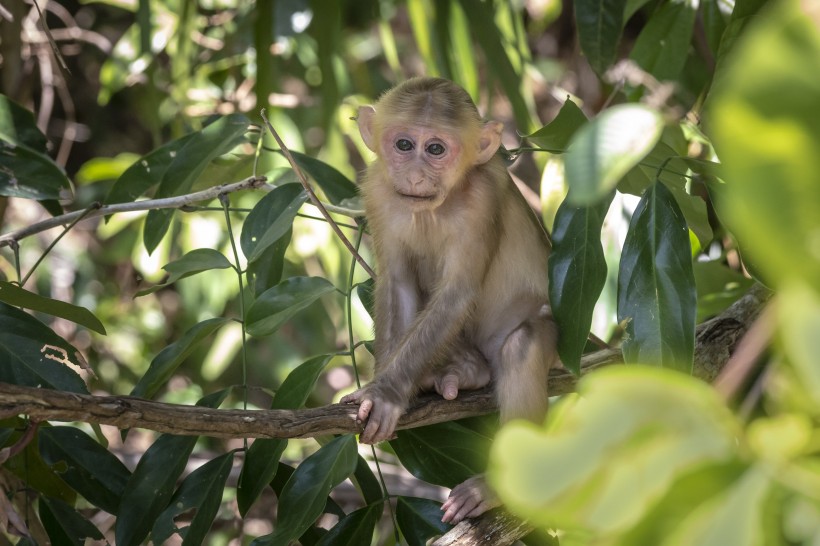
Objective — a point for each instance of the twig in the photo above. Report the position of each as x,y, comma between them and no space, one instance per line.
315,200
149,204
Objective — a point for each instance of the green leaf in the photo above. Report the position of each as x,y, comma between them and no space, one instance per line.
605,149
270,220
419,519
14,295
577,273
34,356
17,126
445,454
599,25
365,290
65,525
663,44
366,481
262,457
196,261
30,174
188,163
168,360
556,135
146,172
798,310
336,186
152,483
305,494
278,304
93,471
266,271
718,287
356,528
656,285
201,491
627,436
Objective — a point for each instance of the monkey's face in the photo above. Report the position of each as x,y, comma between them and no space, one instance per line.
424,163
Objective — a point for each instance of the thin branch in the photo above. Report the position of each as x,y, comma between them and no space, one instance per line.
149,204
315,200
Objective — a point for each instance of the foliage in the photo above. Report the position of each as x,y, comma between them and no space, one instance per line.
210,301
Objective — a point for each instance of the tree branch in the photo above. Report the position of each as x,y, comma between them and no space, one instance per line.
148,204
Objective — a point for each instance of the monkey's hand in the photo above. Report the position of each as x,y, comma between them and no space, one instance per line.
380,406
468,499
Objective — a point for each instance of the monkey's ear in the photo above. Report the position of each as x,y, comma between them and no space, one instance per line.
488,141
365,118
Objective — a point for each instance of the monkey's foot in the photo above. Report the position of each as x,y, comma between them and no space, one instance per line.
377,410
468,499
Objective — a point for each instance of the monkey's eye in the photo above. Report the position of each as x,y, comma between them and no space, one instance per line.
404,145
435,149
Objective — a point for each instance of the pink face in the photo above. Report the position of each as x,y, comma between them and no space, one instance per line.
424,163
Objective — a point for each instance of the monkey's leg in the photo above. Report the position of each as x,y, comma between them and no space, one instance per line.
521,389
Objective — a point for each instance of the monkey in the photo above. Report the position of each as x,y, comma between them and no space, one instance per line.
461,298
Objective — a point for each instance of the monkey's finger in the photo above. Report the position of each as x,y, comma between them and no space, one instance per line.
364,410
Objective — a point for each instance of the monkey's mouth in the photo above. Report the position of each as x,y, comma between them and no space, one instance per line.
417,197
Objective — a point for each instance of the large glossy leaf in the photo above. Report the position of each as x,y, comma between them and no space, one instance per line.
629,434
200,491
196,261
445,454
767,133
151,485
169,359
14,295
34,356
270,220
266,272
305,493
334,184
599,25
85,465
30,174
64,524
278,304
188,163
419,519
262,457
577,272
356,528
556,135
17,126
656,285
605,149
663,44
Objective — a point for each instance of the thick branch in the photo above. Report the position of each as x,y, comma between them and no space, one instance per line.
148,204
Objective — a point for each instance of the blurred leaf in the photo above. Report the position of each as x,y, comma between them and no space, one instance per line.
203,147
14,295
356,528
599,30
266,271
305,494
168,360
271,219
419,519
656,286
715,17
30,467
798,314
152,483
555,136
366,295
30,174
663,44
718,287
577,273
262,457
200,491
17,126
93,471
64,524
462,49
195,261
334,184
103,169
605,149
445,454
278,304
34,356
767,133
617,457
145,172
632,6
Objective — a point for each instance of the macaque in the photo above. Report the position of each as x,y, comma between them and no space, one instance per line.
462,293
